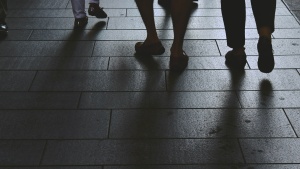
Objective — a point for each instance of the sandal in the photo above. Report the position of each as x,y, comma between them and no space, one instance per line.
152,49
178,64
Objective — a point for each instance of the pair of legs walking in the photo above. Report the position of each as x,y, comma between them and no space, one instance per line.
81,19
180,13
234,17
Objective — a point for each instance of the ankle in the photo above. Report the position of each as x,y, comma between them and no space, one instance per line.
94,4
2,20
239,50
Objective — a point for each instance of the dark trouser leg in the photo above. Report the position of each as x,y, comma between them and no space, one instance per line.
3,9
264,13
234,17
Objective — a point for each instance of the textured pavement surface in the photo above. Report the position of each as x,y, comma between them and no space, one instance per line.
84,100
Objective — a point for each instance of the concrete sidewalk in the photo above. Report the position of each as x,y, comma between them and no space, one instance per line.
84,99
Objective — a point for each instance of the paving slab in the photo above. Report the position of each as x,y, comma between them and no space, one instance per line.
281,151
203,80
99,81
39,100
16,80
46,48
280,46
281,62
53,63
200,123
21,152
15,4
101,152
54,124
127,100
126,48
294,117
269,99
162,63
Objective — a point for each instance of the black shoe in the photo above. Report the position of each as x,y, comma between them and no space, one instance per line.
235,61
80,23
265,61
95,10
3,27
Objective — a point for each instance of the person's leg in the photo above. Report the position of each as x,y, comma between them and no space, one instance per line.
81,19
95,10
180,12
78,7
264,13
146,10
3,13
152,44
234,17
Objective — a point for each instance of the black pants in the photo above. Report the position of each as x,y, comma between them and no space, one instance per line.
3,8
234,17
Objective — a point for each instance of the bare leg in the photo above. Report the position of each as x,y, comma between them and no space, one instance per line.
180,11
146,10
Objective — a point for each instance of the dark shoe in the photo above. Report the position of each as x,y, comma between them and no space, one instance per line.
3,27
235,61
153,49
178,64
265,55
80,23
95,10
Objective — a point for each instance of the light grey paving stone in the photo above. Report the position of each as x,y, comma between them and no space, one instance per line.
57,13
280,46
138,63
281,62
15,4
199,123
271,150
294,117
293,4
99,81
89,35
163,12
297,14
158,63
16,35
209,166
202,80
163,23
116,100
39,100
39,13
286,22
46,48
54,124
287,33
113,4
21,152
129,34
203,12
53,63
269,99
16,80
114,152
53,23
126,48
